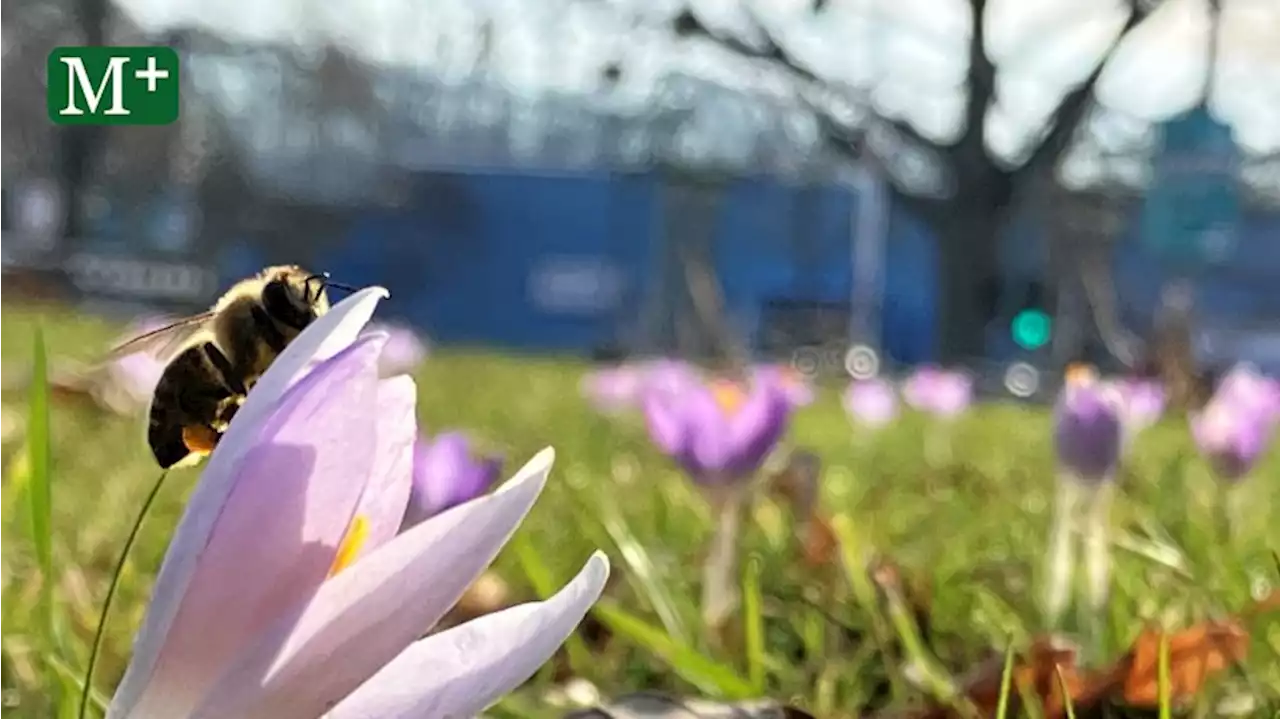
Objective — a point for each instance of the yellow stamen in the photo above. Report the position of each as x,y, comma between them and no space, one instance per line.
729,395
352,542
1081,373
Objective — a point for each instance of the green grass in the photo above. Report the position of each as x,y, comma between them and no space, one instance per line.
973,529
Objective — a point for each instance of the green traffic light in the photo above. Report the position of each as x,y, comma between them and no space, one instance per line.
1031,329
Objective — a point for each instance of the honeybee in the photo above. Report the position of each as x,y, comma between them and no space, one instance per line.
216,357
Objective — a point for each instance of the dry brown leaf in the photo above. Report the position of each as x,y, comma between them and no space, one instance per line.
1195,654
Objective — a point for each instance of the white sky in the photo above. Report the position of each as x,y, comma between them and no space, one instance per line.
909,55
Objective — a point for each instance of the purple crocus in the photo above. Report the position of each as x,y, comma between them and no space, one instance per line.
286,591
1088,430
871,402
719,431
405,349
447,473
1232,435
939,392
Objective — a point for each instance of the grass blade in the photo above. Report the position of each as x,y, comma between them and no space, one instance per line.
1163,690
709,676
1006,683
544,585
39,492
753,624
1067,705
96,649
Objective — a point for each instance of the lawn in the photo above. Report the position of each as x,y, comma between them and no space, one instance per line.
966,529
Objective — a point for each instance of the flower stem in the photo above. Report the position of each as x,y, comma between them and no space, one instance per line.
720,571
1097,548
1061,560
101,631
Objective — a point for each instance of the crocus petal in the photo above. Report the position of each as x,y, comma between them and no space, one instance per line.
365,616
325,337
274,540
405,349
711,447
460,672
666,421
387,493
755,429
613,389
871,402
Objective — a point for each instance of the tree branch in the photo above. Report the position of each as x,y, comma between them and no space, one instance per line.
981,88
1071,110
687,25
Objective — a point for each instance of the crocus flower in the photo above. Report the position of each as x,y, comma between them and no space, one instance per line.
718,431
615,389
1088,430
1141,404
620,388
405,349
1245,386
1088,439
445,474
286,592
795,386
942,393
871,402
1232,435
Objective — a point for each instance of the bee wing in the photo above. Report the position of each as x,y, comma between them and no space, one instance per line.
165,342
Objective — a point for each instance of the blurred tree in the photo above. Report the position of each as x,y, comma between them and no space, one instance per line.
79,145
967,193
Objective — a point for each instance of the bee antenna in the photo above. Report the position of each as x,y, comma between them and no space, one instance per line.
340,286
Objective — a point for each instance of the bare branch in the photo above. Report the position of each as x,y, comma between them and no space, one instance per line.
1075,105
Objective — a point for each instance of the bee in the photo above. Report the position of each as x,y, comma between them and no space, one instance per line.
215,358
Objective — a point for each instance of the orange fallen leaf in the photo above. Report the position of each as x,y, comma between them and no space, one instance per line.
819,542
1195,654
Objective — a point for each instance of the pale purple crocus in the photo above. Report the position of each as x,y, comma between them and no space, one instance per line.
446,473
1246,386
794,385
942,393
1142,402
871,402
1232,435
286,591
405,349
621,388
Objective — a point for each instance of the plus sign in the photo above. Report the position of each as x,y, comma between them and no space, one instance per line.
151,74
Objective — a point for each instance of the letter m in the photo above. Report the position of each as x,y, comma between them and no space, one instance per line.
78,79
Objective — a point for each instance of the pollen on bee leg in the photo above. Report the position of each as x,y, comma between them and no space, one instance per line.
200,439
352,542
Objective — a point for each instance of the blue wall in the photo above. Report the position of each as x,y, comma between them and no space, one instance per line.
459,258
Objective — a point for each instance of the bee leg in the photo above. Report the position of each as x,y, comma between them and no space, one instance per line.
267,328
223,365
228,411
200,438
